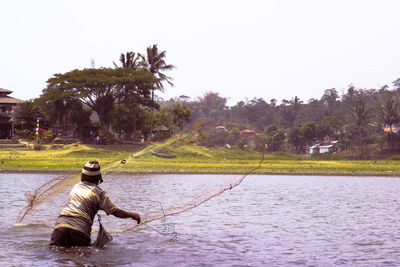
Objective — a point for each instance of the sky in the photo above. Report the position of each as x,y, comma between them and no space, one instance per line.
240,49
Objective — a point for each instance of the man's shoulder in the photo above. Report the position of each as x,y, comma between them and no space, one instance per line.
99,190
88,186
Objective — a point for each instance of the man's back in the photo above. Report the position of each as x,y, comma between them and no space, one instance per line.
85,199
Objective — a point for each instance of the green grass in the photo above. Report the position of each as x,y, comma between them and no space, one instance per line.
190,158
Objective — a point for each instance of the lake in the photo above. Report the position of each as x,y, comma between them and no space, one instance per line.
265,221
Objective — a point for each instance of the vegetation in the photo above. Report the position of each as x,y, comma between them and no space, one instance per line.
154,62
120,104
191,158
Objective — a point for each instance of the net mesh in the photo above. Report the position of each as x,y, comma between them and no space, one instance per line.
127,191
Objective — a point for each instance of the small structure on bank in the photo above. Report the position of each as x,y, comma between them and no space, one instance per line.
221,128
395,129
161,132
7,105
248,133
324,147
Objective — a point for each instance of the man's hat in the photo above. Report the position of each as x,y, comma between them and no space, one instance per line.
91,168
91,172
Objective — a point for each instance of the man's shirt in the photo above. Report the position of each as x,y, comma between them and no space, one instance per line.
85,199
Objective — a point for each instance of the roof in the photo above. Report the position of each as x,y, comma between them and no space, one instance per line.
247,131
10,100
2,90
161,128
394,129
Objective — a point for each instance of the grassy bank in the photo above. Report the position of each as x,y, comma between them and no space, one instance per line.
189,159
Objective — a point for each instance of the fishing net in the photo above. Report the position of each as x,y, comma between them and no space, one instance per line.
102,236
127,192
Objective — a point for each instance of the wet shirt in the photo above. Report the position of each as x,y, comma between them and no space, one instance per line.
85,199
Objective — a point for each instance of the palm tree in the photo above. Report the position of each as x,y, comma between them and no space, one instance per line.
128,60
291,112
296,103
389,114
361,117
154,62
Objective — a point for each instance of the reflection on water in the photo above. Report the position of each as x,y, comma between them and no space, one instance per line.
267,220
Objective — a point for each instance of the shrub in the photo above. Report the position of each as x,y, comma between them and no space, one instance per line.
48,135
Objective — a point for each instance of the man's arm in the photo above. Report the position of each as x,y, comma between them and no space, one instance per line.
125,214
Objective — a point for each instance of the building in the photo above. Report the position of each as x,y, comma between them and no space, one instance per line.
7,105
395,129
246,133
161,133
324,147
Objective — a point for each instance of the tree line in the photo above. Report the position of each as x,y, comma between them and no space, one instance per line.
364,121
122,101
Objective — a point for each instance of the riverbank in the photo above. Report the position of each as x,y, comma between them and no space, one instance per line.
186,158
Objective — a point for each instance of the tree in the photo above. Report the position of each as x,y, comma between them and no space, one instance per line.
234,135
296,139
25,115
277,140
360,114
396,84
314,110
290,109
258,113
329,127
389,114
79,115
330,98
309,132
181,114
131,99
128,61
98,88
154,62
61,112
128,122
164,118
211,104
275,137
271,129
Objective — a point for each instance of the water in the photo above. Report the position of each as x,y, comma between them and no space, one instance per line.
266,221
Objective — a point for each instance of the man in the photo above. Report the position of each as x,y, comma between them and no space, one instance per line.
74,225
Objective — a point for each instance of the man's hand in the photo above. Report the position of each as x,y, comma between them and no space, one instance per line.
125,214
136,217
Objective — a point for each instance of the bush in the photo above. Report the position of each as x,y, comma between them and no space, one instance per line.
24,133
48,135
215,138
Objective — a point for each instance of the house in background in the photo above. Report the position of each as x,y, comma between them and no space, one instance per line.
395,128
324,147
7,105
246,133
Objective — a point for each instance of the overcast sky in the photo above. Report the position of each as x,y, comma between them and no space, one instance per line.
240,49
